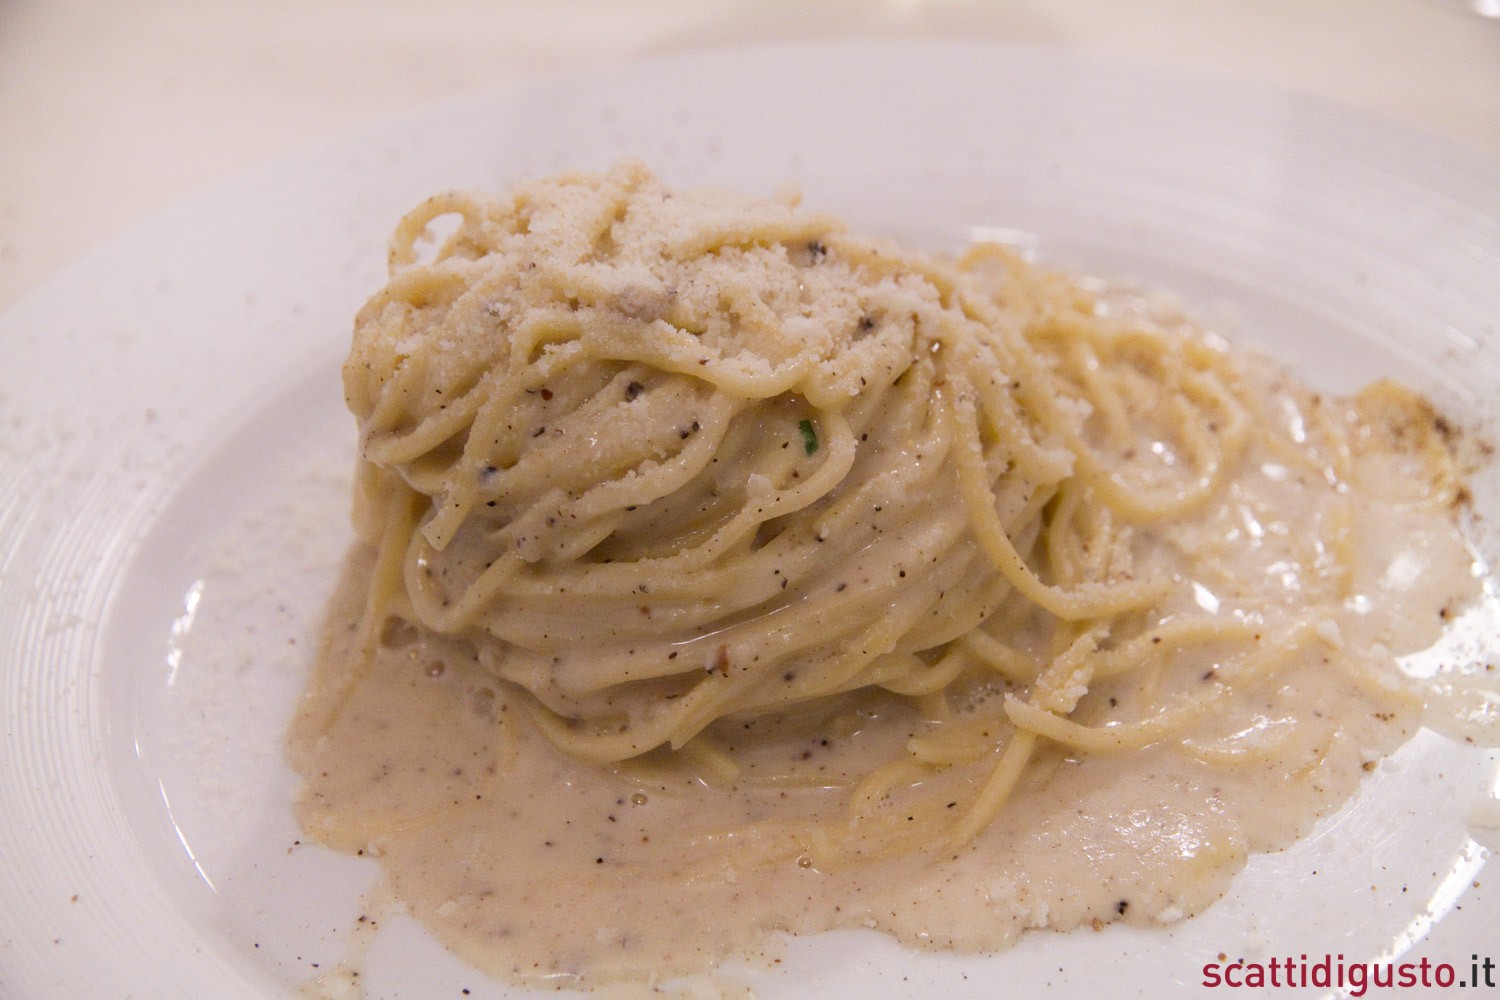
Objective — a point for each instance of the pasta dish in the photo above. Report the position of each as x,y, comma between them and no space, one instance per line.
717,561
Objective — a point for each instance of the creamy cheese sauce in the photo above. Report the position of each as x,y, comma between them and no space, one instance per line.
543,870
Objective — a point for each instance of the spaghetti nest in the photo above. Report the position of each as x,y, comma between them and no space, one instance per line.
673,464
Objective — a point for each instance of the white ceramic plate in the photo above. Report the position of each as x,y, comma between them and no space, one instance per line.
174,456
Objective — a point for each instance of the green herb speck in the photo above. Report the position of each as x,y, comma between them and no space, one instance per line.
809,436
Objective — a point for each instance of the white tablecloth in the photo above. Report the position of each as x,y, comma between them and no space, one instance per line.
110,111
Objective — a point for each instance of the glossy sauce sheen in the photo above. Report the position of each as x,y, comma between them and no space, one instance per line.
543,870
